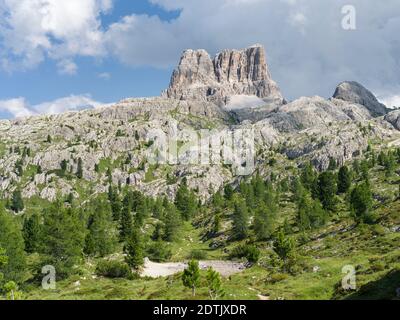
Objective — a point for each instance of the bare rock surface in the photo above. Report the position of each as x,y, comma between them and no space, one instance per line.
232,72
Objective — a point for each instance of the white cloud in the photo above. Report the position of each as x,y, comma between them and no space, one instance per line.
104,76
19,107
16,107
243,101
32,30
308,51
67,67
391,101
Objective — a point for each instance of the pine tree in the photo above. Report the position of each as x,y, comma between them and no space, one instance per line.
390,164
308,177
228,192
284,247
191,276
344,179
17,204
115,202
32,233
79,170
134,250
297,189
63,238
185,201
214,283
264,223
172,223
327,190
361,202
158,233
332,164
126,224
240,220
101,239
12,241
64,166
310,214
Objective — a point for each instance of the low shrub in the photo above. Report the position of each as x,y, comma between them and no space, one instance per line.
250,252
113,269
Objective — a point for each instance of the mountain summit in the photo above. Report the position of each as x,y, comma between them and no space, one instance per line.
232,72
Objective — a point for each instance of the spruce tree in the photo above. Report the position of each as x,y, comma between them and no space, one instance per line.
17,204
32,233
172,223
264,223
327,189
134,250
191,276
101,239
12,241
240,220
284,247
361,202
214,283
63,238
185,201
344,179
308,177
79,170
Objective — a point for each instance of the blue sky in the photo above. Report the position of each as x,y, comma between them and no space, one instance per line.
67,55
105,80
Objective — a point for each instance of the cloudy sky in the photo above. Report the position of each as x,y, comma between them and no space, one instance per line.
68,55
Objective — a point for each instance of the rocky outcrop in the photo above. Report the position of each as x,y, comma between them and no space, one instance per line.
354,92
394,119
231,72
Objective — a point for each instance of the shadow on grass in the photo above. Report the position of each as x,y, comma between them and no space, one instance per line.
385,288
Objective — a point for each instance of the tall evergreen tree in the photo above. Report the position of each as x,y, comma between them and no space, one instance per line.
17,204
32,233
284,247
79,170
361,202
185,201
63,238
308,177
12,241
310,214
172,223
101,239
344,179
134,250
240,220
264,223
327,189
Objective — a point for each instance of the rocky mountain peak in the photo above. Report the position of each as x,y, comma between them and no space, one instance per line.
351,91
231,72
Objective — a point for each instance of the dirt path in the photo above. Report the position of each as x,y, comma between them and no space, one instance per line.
155,270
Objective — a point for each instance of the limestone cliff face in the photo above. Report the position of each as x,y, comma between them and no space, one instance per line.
231,72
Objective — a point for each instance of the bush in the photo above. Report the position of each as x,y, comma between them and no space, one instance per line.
113,269
159,252
250,252
198,255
